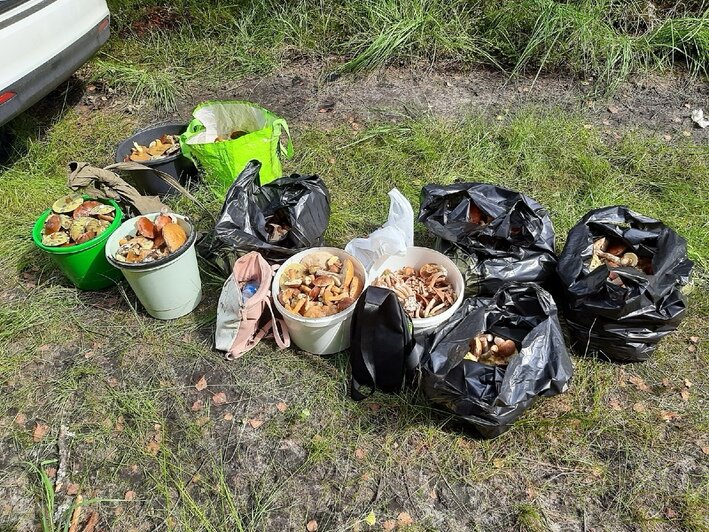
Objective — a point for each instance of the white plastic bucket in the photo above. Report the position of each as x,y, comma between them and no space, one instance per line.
321,336
168,288
417,257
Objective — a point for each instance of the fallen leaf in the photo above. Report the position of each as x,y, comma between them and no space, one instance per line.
703,446
40,431
228,416
691,348
51,472
120,424
694,339
667,415
72,489
197,405
312,526
389,524
201,384
255,423
667,137
20,419
639,407
129,495
499,463
639,383
371,519
686,134
670,513
281,406
374,407
613,109
404,519
91,522
112,382
666,383
684,394
219,399
331,160
615,404
499,117
606,122
153,447
359,454
201,421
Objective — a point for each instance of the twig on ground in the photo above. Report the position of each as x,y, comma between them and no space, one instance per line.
59,483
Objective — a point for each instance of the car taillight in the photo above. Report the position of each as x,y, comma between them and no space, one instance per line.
103,24
6,97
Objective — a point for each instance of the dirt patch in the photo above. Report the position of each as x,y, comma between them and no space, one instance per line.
301,94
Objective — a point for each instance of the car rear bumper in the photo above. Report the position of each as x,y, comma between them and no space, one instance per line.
41,81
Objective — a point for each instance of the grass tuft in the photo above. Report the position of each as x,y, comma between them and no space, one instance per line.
142,83
604,39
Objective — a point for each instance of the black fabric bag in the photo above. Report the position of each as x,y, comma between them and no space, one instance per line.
624,323
515,244
382,352
300,201
491,398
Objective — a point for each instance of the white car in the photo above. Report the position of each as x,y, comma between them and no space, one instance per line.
44,42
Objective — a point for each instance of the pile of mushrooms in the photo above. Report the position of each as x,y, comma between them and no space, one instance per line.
491,349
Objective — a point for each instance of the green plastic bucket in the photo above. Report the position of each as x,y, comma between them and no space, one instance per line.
85,265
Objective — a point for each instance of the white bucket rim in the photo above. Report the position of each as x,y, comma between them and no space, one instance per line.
425,323
315,322
191,237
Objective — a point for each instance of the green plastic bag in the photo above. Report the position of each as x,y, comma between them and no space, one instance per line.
224,160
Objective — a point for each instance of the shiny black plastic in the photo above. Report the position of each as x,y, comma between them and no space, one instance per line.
302,201
491,398
516,245
624,323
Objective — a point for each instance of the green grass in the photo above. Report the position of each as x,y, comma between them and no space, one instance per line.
158,48
120,380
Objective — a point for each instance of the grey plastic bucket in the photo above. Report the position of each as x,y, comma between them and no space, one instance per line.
167,288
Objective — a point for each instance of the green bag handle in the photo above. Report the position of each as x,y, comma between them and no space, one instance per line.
279,124
194,127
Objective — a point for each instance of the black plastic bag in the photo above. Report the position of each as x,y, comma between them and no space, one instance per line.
491,398
516,243
301,202
624,323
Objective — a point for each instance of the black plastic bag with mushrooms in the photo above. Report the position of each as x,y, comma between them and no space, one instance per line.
622,276
278,219
495,356
493,234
